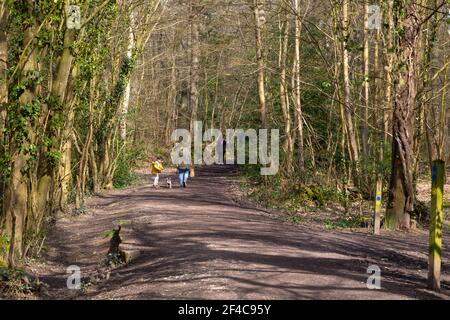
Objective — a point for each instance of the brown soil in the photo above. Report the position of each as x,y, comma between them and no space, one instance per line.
199,243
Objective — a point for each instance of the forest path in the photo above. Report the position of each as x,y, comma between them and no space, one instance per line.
198,243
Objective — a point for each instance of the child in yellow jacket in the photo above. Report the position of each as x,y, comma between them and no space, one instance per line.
157,168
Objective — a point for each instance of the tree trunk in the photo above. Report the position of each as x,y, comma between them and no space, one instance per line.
3,72
194,71
64,170
389,53
16,201
284,99
348,110
427,44
401,190
94,170
296,92
84,159
126,95
260,22
365,128
3,101
378,123
171,101
106,163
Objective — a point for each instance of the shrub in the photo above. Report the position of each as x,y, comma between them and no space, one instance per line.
123,176
288,192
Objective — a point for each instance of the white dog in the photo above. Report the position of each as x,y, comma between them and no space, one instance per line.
169,183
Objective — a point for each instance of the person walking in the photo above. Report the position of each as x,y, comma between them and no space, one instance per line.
183,174
224,151
157,168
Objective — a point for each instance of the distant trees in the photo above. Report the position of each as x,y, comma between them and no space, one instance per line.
343,90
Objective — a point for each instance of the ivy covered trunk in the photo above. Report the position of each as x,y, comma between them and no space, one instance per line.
3,101
59,90
44,108
3,71
22,111
33,111
113,113
401,190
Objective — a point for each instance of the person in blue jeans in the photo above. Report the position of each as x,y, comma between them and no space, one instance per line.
183,174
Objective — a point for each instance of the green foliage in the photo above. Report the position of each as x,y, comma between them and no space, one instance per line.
15,282
108,234
347,222
421,212
53,157
79,211
124,75
293,218
4,247
124,175
8,274
288,193
21,116
115,259
328,224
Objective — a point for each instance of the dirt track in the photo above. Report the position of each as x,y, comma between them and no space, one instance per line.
197,243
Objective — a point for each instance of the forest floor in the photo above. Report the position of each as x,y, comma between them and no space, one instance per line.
203,242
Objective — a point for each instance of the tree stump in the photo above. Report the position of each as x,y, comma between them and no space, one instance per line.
115,254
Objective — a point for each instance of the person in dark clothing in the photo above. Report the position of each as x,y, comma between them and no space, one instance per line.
224,151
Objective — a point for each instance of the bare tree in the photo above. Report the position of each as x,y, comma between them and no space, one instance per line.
348,110
296,84
260,21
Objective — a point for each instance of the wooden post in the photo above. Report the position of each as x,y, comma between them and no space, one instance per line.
378,193
435,245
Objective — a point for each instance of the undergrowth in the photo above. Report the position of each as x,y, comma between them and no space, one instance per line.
15,283
124,175
291,193
312,195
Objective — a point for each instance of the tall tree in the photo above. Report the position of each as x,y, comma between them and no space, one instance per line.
3,68
260,21
366,57
284,96
348,109
401,190
126,96
296,84
17,194
194,67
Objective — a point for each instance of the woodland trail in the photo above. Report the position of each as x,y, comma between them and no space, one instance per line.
198,243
